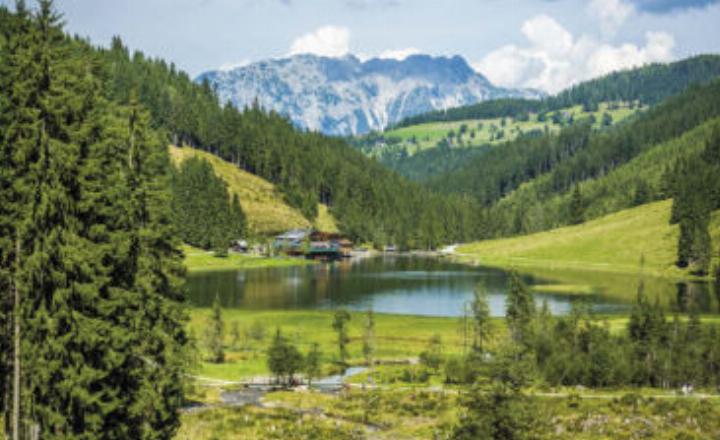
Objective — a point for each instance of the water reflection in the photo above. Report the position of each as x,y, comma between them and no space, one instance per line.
415,285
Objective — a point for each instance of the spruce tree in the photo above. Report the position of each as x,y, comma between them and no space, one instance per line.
519,309
339,324
158,317
98,261
577,207
481,318
313,361
216,333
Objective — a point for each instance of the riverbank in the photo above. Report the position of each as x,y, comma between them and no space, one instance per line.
198,260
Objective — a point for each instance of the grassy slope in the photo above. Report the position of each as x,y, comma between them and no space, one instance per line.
429,134
264,206
197,260
614,243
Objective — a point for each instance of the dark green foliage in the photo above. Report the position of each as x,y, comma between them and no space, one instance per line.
99,279
577,207
283,359
313,362
519,309
204,215
576,153
216,333
340,326
695,187
481,318
499,413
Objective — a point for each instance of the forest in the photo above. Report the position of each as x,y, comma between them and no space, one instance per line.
371,203
648,85
92,324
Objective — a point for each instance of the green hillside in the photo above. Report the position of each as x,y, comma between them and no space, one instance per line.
639,181
614,243
266,210
410,140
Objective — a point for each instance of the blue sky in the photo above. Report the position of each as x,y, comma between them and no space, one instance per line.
547,44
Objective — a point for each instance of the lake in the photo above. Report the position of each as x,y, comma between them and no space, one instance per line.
430,286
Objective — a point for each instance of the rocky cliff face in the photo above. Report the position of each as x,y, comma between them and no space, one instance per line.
345,96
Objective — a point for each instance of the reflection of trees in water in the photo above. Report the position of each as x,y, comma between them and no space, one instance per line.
355,282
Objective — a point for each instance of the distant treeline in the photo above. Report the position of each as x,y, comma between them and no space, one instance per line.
647,85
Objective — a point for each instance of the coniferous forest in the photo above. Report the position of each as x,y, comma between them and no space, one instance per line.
112,251
92,314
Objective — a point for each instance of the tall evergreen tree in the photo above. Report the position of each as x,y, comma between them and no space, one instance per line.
340,326
481,318
98,262
577,207
216,333
519,309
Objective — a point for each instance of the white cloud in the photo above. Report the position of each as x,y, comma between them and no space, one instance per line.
611,13
399,54
554,59
329,41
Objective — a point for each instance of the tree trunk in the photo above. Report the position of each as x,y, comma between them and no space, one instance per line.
16,357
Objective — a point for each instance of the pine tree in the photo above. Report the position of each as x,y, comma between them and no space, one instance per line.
340,326
237,219
481,318
216,333
283,358
313,361
519,309
577,207
100,281
154,272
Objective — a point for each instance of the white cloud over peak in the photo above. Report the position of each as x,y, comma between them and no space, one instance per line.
399,54
329,41
554,59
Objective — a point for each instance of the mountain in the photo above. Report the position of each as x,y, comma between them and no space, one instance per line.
344,96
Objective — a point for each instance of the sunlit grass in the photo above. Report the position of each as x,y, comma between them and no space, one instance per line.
197,260
427,135
266,210
634,241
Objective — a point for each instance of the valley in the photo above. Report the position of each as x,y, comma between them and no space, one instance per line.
346,240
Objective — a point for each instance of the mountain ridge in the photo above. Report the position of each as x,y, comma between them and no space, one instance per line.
347,96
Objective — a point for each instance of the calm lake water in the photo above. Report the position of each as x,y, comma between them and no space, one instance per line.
426,286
